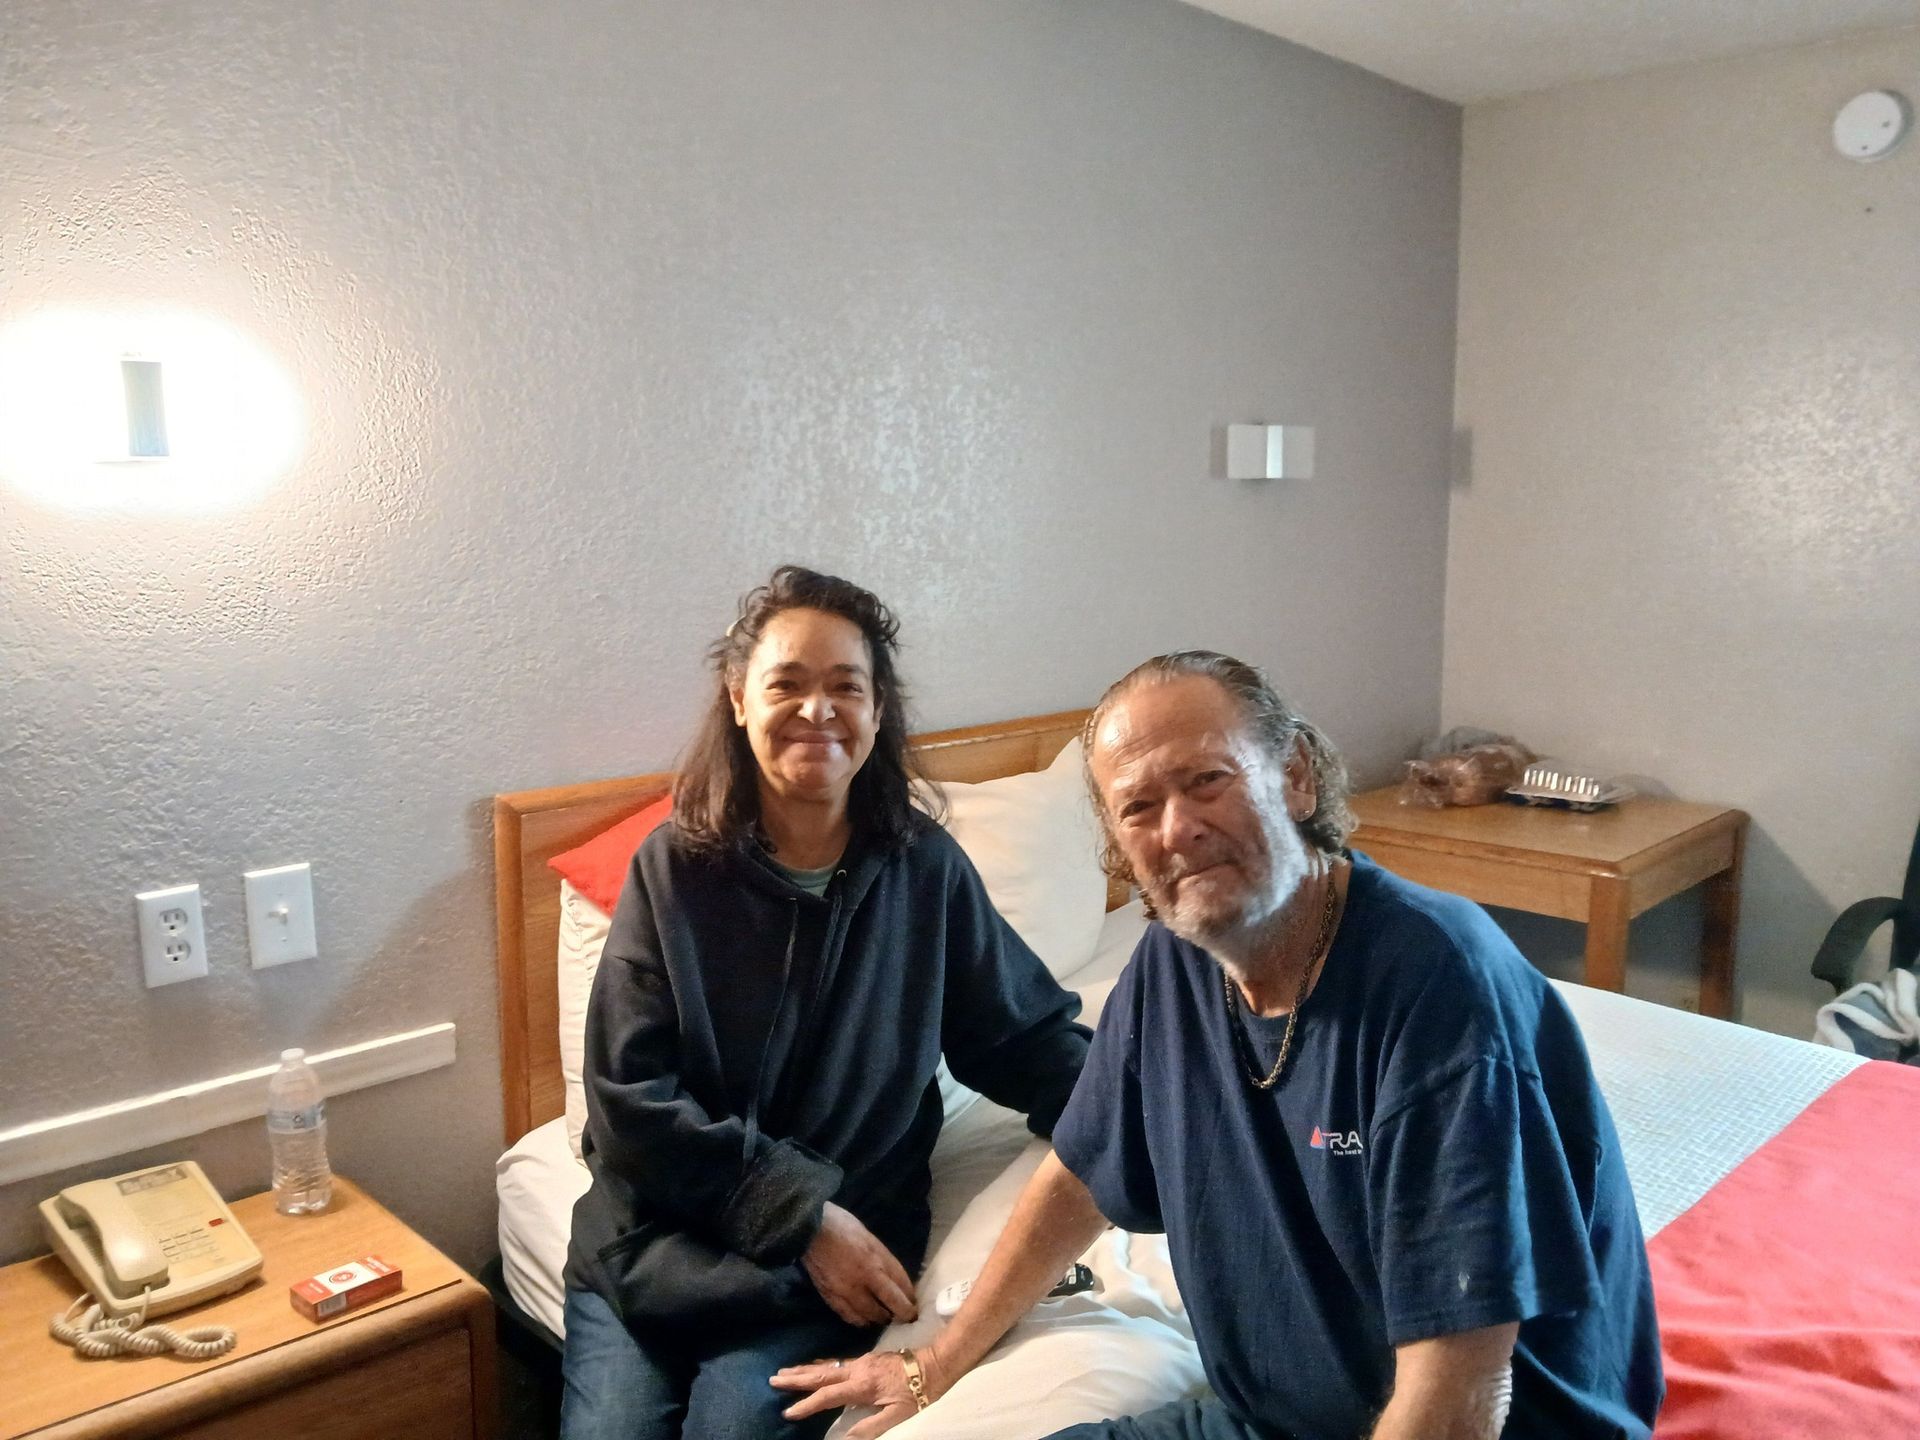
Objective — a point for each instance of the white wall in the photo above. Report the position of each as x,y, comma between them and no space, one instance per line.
599,310
1687,537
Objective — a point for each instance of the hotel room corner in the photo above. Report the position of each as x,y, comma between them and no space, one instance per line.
1684,537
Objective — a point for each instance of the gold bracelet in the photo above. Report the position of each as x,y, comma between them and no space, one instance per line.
916,1379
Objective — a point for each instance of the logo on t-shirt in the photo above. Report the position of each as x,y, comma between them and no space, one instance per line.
1340,1142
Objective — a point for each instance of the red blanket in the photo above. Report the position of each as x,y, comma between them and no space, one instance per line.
1789,1295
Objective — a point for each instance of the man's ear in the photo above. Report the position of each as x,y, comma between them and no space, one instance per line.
1303,792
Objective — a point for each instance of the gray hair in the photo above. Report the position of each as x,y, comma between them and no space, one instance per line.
1273,723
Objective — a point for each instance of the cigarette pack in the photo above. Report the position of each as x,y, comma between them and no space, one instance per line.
344,1288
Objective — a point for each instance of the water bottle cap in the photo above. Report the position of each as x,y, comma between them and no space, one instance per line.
290,1057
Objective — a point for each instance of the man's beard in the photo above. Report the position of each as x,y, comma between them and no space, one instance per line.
1234,922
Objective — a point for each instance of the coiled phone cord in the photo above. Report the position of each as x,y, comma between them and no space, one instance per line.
96,1336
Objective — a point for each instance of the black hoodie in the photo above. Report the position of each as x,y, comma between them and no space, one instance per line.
722,981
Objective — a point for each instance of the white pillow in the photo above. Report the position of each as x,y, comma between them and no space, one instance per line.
583,934
1118,938
1033,838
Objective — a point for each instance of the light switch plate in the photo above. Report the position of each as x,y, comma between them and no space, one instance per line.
173,934
280,915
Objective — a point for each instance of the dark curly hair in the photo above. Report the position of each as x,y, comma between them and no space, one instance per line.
716,791
1273,723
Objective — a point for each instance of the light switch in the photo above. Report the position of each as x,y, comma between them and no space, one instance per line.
280,915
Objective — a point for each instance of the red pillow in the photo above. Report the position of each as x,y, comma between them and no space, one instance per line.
598,869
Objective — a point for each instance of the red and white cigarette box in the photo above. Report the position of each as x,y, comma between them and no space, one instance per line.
345,1287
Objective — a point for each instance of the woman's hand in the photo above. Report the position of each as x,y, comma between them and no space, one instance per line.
879,1380
855,1274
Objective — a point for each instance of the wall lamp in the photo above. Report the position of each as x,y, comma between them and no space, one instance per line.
141,411
1269,452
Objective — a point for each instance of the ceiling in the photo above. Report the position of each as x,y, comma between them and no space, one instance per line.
1467,50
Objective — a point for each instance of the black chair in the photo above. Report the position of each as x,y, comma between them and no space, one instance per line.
1840,952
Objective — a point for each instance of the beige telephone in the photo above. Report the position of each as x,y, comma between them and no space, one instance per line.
151,1241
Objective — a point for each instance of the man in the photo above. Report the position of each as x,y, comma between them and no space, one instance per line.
1392,1192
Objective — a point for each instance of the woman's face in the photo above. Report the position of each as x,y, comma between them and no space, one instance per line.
807,704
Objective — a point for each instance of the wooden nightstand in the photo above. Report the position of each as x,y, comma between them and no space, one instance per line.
1601,869
418,1364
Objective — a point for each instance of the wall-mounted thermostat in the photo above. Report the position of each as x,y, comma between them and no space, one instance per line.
1871,124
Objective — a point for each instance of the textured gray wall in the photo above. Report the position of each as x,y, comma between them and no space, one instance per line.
1690,541
598,312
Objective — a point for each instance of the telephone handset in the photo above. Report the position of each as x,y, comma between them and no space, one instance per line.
151,1241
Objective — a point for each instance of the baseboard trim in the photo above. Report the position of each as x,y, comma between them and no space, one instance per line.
64,1141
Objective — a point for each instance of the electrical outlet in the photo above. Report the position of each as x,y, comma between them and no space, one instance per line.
280,915
173,936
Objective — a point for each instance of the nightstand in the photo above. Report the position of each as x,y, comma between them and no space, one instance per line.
418,1363
1601,869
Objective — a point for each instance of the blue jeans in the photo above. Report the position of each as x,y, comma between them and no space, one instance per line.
1183,1420
620,1388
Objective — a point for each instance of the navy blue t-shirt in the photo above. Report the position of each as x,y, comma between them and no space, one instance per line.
1436,1158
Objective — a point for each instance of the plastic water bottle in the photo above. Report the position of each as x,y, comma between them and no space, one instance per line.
297,1131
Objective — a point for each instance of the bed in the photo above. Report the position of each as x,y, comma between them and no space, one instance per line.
1767,1170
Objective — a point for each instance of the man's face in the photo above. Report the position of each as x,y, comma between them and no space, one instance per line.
1200,810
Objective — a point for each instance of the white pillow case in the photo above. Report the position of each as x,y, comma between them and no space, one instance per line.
583,935
1119,936
1034,840
1032,837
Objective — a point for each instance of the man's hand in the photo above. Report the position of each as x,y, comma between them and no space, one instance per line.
1054,1220
879,1380
855,1274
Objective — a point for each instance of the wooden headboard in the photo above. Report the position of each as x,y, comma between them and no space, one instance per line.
530,827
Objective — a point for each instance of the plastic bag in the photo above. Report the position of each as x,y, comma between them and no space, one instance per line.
1477,773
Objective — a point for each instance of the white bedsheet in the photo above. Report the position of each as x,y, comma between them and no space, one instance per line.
1692,1097
538,1181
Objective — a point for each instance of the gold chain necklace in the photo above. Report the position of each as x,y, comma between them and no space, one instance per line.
1299,997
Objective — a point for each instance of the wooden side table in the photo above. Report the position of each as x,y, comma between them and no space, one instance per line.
1601,869
419,1363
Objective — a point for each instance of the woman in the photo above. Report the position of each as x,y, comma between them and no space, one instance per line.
789,960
